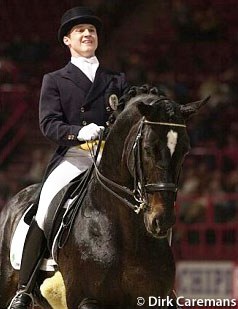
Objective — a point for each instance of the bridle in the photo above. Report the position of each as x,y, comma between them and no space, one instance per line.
139,194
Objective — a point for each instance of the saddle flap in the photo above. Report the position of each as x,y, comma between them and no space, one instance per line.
63,209
18,241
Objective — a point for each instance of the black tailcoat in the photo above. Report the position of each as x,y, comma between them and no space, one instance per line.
69,101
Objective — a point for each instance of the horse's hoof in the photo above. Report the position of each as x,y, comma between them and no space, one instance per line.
88,303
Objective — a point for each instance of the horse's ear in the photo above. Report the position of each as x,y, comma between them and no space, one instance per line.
190,109
144,109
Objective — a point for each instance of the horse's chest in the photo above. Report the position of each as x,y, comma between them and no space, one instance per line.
147,275
96,241
142,276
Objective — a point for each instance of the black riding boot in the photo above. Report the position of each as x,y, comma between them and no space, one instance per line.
33,253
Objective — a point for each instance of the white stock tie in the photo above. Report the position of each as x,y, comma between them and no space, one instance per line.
87,65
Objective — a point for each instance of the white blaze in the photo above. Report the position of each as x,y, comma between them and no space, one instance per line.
172,137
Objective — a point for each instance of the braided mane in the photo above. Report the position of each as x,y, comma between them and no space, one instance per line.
133,92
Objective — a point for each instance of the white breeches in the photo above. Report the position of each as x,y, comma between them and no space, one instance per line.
74,163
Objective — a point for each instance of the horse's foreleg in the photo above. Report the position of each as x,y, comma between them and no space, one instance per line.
88,303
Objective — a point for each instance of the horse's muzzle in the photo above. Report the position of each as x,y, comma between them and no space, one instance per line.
157,225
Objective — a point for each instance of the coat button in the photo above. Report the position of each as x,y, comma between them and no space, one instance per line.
70,137
84,123
82,109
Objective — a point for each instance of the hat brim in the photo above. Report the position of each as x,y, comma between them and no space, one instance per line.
67,26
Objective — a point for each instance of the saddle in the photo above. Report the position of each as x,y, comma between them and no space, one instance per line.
64,207
62,212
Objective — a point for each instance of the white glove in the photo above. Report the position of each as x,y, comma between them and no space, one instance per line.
89,132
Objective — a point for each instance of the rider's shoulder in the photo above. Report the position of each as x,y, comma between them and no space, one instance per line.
59,72
112,72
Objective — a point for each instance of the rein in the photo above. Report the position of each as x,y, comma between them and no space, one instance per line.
140,191
165,124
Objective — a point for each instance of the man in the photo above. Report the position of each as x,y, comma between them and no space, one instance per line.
75,104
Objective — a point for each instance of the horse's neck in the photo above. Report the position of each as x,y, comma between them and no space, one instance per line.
112,165
127,226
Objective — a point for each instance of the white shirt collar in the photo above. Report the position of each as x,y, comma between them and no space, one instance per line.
79,60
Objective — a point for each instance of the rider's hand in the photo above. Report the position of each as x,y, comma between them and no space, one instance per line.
89,132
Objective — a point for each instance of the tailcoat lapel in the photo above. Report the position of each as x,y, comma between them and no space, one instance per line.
101,81
77,77
92,90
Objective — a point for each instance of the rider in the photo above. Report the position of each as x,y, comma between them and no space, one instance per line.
75,103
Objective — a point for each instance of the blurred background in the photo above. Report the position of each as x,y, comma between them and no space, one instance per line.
187,47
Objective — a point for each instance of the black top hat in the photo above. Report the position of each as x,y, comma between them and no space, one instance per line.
75,16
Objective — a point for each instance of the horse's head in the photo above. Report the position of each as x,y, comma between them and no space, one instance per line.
154,151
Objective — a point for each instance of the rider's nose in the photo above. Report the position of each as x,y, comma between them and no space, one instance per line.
86,32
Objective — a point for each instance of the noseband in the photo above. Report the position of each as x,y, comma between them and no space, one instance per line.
141,189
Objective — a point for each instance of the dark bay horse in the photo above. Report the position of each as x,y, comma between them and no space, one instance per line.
118,249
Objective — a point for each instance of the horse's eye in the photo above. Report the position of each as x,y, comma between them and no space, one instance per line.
148,150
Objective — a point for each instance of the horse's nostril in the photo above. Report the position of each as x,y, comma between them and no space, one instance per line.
156,224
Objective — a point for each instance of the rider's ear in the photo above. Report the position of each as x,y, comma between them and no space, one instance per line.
66,40
190,109
144,109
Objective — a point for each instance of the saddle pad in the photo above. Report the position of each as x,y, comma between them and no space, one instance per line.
17,245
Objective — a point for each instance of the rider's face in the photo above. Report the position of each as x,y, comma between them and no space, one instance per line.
82,40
